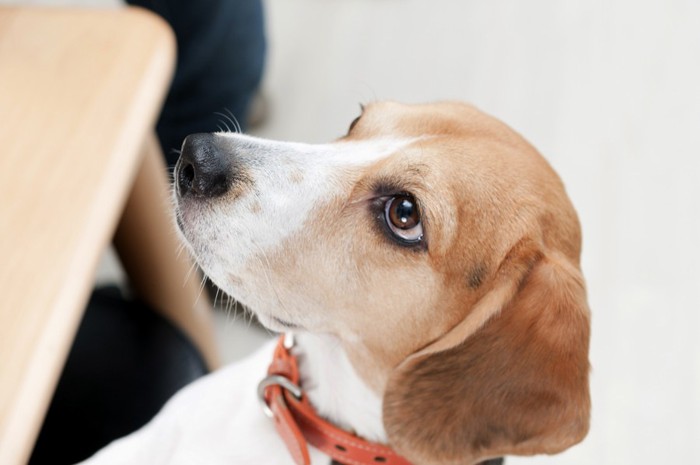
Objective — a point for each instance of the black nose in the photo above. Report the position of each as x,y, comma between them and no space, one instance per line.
203,169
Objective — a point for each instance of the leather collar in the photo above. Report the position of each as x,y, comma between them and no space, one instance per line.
298,423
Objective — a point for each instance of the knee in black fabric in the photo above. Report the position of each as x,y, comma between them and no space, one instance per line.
125,363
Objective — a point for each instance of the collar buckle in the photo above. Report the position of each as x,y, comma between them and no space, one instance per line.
276,380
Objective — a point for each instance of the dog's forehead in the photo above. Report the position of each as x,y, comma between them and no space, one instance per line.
450,138
478,165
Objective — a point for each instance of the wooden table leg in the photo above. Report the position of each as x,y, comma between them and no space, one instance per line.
148,246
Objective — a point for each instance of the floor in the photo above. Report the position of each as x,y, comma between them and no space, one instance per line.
608,91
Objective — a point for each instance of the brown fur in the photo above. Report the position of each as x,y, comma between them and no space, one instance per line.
518,385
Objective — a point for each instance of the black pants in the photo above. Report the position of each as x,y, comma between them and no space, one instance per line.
221,53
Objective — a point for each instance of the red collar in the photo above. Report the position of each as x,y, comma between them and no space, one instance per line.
298,423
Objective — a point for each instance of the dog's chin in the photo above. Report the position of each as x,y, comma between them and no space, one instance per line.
232,285
277,324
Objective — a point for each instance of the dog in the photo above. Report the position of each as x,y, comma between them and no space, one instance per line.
427,263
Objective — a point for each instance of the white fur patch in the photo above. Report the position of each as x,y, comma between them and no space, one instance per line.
335,389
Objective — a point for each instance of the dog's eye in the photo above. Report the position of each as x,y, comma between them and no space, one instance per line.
403,218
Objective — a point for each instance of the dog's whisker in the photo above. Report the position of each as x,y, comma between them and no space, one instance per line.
181,245
179,250
177,152
216,295
231,307
230,318
188,275
227,118
239,310
222,121
201,289
249,322
234,121
226,309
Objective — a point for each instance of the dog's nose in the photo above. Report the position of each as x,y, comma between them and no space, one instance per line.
203,169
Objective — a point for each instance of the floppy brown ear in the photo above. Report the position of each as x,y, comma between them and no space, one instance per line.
516,384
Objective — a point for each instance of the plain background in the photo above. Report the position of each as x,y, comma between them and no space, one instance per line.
608,91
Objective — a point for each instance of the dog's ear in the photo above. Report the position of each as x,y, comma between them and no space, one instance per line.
512,378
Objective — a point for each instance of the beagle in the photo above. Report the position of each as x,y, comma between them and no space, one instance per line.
428,264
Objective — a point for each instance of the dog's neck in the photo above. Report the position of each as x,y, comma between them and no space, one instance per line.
335,389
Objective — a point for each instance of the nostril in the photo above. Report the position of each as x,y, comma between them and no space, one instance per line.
188,174
186,178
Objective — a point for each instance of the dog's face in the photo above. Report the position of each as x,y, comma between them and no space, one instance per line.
427,234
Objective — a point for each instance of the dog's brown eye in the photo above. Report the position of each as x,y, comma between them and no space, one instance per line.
403,218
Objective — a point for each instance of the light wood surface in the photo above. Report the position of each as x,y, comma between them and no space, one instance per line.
79,90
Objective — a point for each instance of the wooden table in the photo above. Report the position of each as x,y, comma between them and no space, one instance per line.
79,94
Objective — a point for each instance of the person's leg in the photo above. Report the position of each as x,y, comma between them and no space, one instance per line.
221,51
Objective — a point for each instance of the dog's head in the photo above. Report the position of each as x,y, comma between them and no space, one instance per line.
436,244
